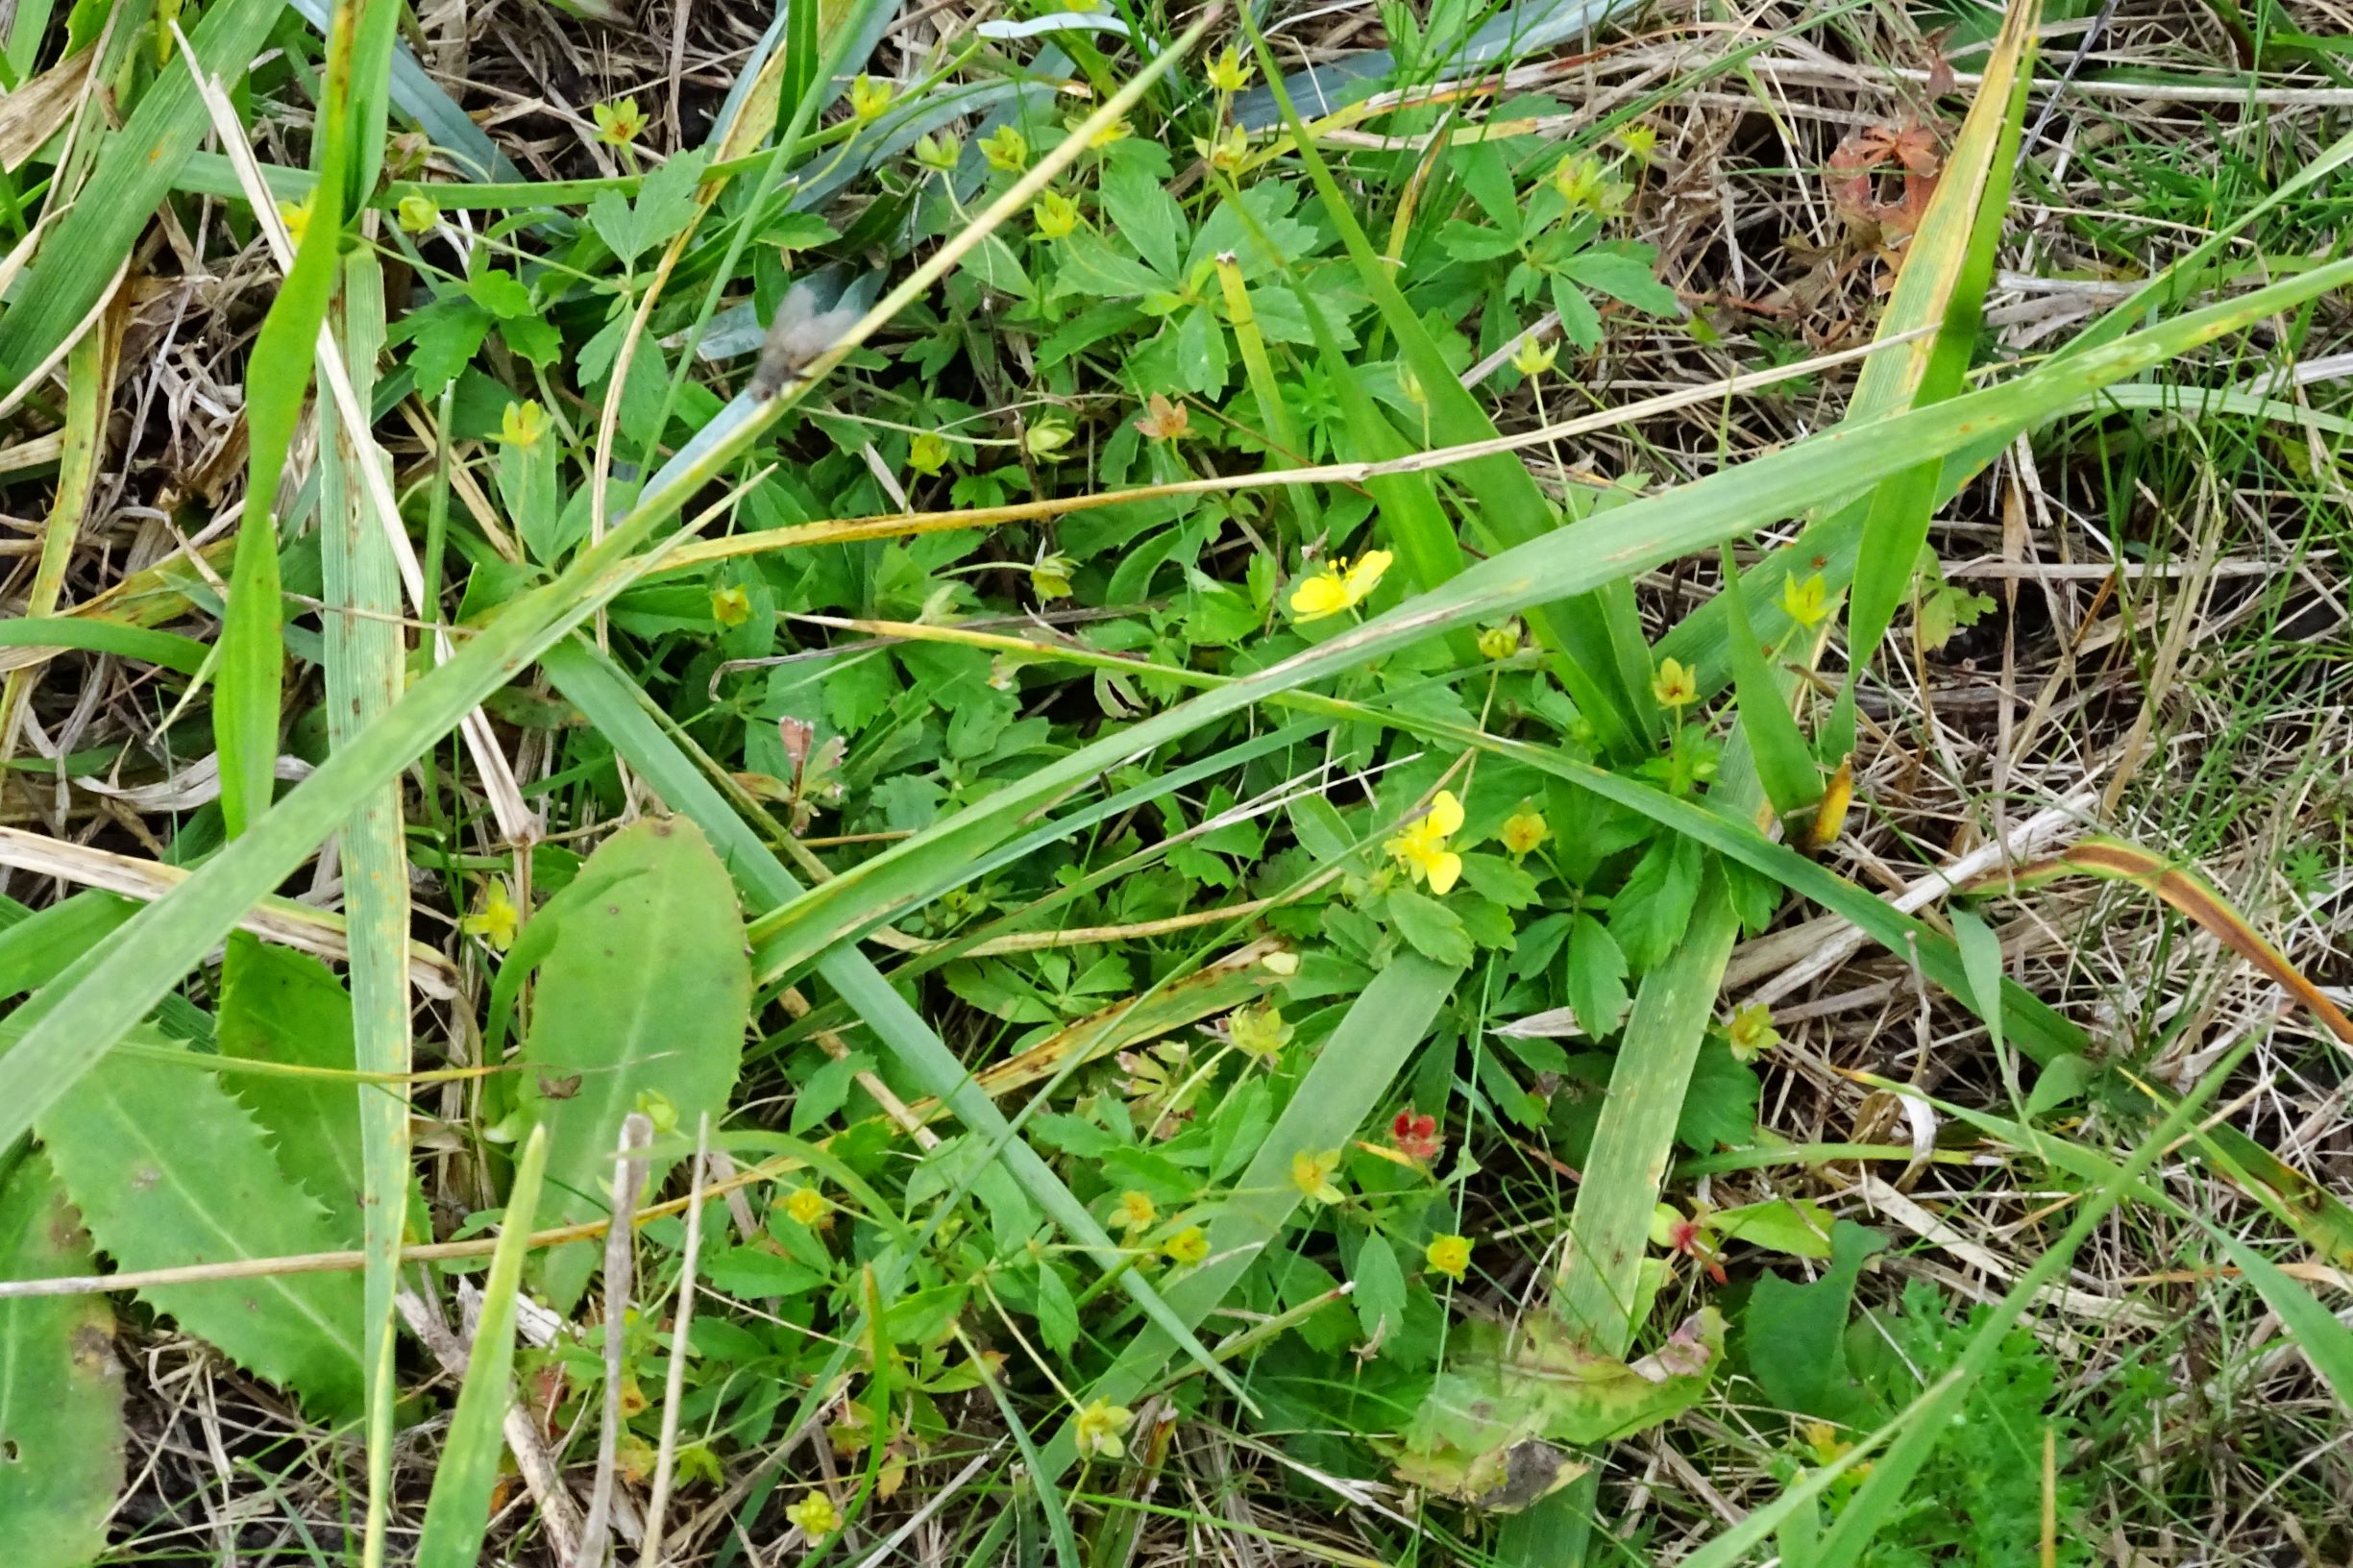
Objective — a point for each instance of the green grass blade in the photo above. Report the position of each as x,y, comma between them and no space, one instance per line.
365,670
80,256
1784,762
458,1511
168,649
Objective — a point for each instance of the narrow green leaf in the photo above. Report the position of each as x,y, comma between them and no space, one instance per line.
645,992
1784,763
458,1511
62,1431
78,257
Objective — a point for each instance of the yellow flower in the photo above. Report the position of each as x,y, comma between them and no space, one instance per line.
523,424
1136,1211
417,213
806,1205
1421,848
619,123
1006,149
1805,602
1312,1174
730,607
1116,130
498,919
296,217
1640,141
1335,585
1259,1031
1227,73
937,152
1050,578
815,1514
1227,153
1751,1032
656,1107
869,98
1500,641
1057,215
927,452
1098,1429
1189,1245
1047,437
1524,830
1534,358
1448,1255
1675,686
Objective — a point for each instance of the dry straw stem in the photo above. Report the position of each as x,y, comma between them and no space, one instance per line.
281,921
898,524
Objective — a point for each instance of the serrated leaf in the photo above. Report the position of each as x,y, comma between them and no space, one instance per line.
62,1431
1596,980
1057,1310
645,990
1146,215
285,1007
168,1170
1794,1335
1624,276
1720,1103
1650,914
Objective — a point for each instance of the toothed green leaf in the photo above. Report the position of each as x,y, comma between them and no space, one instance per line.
282,1006
169,1170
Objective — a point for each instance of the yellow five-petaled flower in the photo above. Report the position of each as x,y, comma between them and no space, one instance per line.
1524,830
498,919
815,1514
1676,685
1805,602
1189,1245
1336,585
1421,848
806,1205
1312,1174
1136,1211
1100,1427
1448,1255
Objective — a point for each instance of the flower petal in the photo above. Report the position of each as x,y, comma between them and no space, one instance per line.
1446,814
1444,869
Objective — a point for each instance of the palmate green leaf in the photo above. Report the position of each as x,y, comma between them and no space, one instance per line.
458,1511
1588,627
1628,539
62,1431
168,1170
645,991
285,1007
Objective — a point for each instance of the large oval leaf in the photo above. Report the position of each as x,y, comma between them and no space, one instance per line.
61,1387
646,990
